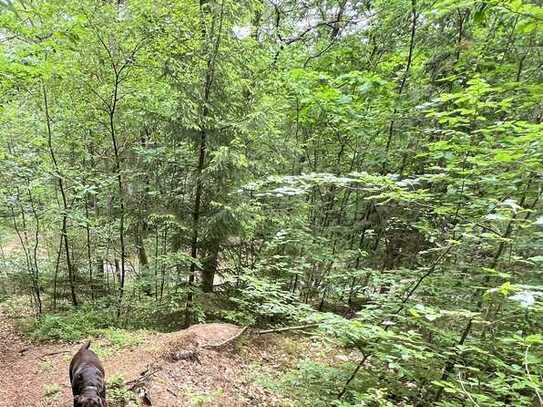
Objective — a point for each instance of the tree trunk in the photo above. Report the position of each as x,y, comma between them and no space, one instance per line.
210,268
414,17
202,152
36,273
120,187
29,264
55,277
89,256
64,228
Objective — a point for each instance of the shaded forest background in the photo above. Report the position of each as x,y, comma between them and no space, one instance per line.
373,167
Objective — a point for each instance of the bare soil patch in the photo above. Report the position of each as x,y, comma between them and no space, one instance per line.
37,374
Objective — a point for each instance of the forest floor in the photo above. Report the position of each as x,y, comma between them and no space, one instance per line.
37,374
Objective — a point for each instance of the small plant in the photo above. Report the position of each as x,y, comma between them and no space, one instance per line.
52,391
200,399
46,366
117,339
121,338
118,394
70,326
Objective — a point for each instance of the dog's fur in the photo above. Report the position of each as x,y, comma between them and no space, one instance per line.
87,378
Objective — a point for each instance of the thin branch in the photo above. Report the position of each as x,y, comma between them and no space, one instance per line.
42,357
520,13
289,328
422,278
110,55
530,375
351,378
130,59
320,53
329,24
465,391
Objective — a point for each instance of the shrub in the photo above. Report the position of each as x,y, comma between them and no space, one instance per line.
70,326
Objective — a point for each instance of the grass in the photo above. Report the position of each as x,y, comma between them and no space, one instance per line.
69,326
51,391
76,325
46,366
116,339
200,399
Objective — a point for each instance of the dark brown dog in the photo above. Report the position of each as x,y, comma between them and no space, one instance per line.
87,377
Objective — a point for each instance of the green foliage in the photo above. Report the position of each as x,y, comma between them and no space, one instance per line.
260,301
313,384
372,167
71,326
52,391
204,399
118,394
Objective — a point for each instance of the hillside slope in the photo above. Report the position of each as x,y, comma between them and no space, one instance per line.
37,375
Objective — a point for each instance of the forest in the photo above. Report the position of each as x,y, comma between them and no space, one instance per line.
364,176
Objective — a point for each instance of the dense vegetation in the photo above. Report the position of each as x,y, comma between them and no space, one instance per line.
372,166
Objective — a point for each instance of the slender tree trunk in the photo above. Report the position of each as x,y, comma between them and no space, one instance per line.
157,244
162,266
117,271
58,173
202,152
463,16
21,234
449,364
89,255
210,267
143,261
195,226
36,274
118,171
55,277
142,253
414,18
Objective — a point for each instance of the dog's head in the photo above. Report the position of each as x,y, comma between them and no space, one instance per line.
88,401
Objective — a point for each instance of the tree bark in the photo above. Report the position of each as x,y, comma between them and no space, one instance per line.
59,175
210,267
202,152
36,274
414,18
89,250
118,170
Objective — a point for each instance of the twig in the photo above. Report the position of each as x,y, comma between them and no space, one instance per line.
353,375
320,53
465,391
143,377
422,278
42,357
530,376
402,306
288,328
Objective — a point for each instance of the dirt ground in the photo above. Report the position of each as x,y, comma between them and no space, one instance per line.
37,374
